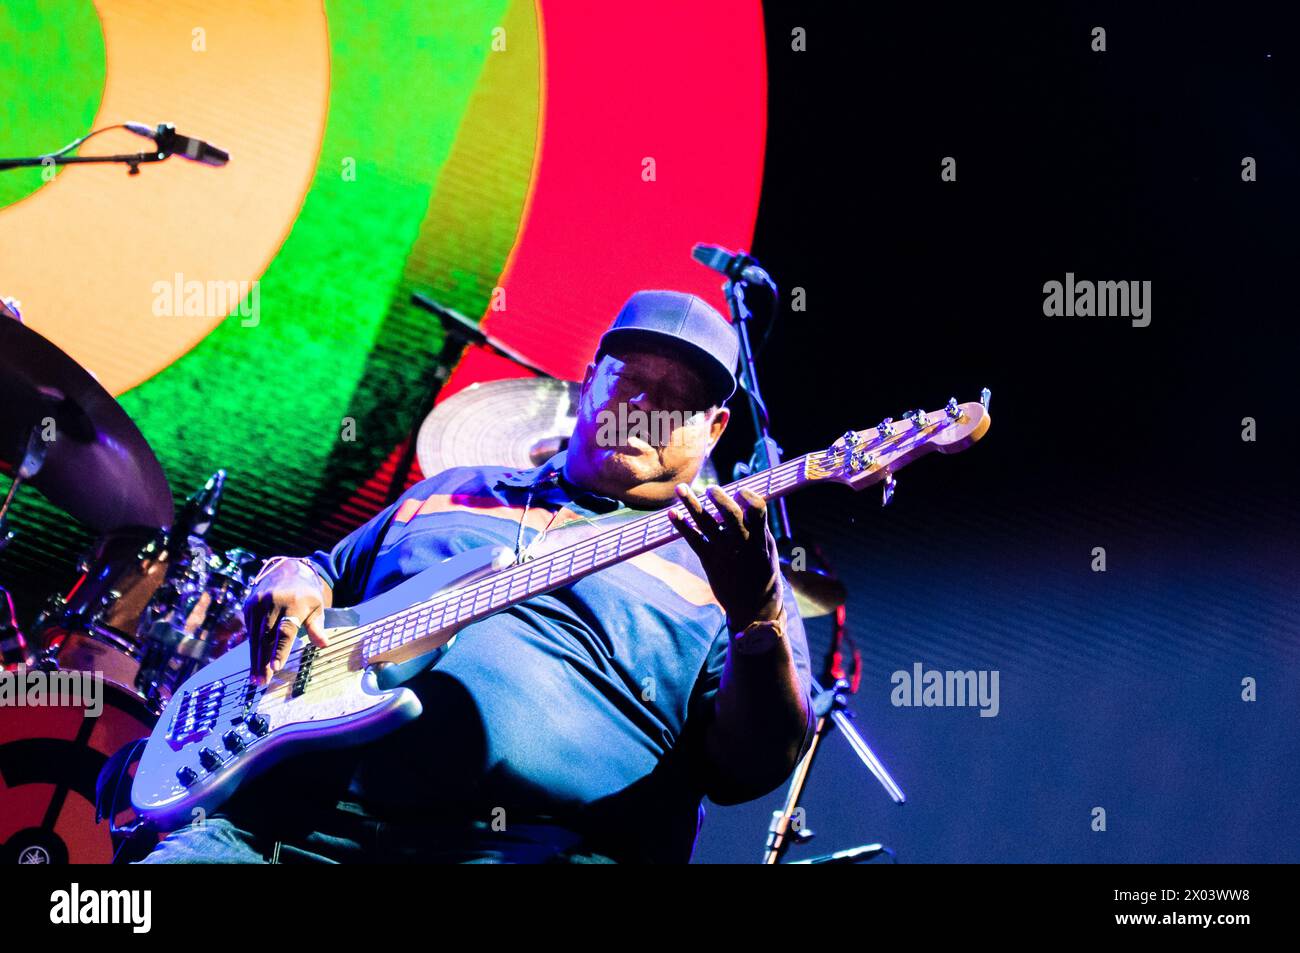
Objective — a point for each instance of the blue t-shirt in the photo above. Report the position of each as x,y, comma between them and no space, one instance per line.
584,707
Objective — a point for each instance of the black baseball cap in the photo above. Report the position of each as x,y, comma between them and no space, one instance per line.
685,323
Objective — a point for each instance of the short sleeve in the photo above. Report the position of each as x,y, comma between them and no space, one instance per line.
347,565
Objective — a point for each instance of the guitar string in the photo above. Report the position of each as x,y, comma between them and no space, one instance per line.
341,648
339,666
586,555
796,468
658,531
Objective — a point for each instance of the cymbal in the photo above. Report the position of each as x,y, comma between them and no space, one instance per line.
816,589
98,468
519,423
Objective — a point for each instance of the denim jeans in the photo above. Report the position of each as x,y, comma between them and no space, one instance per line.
348,835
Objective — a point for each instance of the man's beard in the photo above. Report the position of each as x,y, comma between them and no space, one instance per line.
629,466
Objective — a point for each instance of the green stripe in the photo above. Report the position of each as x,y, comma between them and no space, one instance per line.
267,402
51,83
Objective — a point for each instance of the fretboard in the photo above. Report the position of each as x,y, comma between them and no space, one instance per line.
568,564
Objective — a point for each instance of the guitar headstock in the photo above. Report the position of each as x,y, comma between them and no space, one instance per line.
863,457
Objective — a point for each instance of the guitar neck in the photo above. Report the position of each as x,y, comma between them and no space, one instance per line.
568,564
858,459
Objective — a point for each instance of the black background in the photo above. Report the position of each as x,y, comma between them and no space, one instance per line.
1118,690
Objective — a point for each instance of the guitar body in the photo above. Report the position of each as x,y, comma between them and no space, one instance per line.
217,732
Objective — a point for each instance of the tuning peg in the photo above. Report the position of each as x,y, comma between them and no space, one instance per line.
951,409
885,428
861,460
985,395
887,489
851,439
917,417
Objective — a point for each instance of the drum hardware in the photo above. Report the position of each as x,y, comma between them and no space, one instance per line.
62,433
152,603
817,590
30,465
13,645
195,616
152,606
117,579
145,614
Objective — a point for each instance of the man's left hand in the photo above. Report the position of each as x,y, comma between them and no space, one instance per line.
737,550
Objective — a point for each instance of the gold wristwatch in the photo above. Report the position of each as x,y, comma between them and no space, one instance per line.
759,637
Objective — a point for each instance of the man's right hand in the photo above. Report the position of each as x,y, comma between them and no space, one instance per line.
290,596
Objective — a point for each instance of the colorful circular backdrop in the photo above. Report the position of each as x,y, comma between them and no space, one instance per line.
529,164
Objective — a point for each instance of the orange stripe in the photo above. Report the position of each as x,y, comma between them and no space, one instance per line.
677,578
406,511
261,89
538,517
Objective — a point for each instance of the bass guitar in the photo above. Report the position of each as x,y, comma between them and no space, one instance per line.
219,730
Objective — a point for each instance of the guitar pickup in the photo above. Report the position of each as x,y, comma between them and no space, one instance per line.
304,670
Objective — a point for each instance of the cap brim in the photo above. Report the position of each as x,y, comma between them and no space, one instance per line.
720,381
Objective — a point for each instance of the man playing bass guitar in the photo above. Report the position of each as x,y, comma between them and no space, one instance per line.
582,725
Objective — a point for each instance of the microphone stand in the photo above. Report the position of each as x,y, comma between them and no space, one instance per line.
163,139
829,705
831,708
767,453
470,333
133,160
461,332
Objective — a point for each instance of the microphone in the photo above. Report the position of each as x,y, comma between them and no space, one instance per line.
200,509
735,265
172,143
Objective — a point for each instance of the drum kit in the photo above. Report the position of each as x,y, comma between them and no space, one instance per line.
151,601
